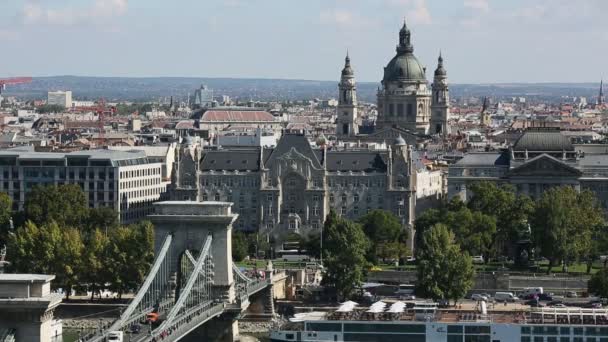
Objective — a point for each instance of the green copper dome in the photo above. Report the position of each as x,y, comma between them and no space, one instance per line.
404,66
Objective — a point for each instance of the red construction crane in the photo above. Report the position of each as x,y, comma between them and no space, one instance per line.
13,80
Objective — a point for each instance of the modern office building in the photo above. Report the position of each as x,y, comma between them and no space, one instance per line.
127,181
60,98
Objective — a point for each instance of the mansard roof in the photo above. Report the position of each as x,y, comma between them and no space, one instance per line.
231,160
367,161
543,140
300,143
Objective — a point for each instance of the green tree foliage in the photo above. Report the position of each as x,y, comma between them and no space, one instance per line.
131,249
67,205
258,245
103,218
344,248
48,249
385,233
444,271
474,230
424,222
239,246
96,261
598,284
50,109
312,245
563,223
511,211
6,207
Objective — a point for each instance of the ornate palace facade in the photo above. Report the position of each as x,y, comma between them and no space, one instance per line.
292,187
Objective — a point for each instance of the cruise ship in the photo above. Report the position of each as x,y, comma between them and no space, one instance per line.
426,322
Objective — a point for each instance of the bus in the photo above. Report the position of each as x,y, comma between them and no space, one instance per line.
293,255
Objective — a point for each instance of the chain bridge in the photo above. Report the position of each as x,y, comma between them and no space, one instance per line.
193,286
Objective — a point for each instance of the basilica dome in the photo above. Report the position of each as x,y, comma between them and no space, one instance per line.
404,66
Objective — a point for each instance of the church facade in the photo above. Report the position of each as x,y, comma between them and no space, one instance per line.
406,104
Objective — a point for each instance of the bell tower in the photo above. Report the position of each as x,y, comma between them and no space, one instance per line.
440,104
346,121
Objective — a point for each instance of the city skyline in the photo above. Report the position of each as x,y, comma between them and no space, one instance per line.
482,41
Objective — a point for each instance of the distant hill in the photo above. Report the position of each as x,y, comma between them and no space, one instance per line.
155,88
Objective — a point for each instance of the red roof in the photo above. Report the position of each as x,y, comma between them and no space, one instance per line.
185,124
236,116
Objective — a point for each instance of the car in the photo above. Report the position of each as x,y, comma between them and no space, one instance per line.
135,329
596,305
546,296
557,305
479,297
410,260
504,297
534,303
571,294
478,259
407,297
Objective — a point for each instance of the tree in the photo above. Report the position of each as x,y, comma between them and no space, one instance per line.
6,208
424,222
103,218
444,271
96,261
132,252
65,204
312,245
48,249
344,249
563,222
511,211
473,230
257,244
598,284
382,228
50,109
239,246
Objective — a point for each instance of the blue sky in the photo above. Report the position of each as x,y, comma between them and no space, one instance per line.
483,41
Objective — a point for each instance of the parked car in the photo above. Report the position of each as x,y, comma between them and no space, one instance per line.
547,296
478,259
135,329
557,305
534,303
410,260
571,294
479,297
504,297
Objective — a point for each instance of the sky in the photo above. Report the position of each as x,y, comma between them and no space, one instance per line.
482,41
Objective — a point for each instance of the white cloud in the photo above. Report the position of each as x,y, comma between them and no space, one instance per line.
532,12
346,19
420,13
35,13
479,5
415,11
339,17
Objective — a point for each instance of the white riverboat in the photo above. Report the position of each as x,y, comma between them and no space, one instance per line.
425,322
